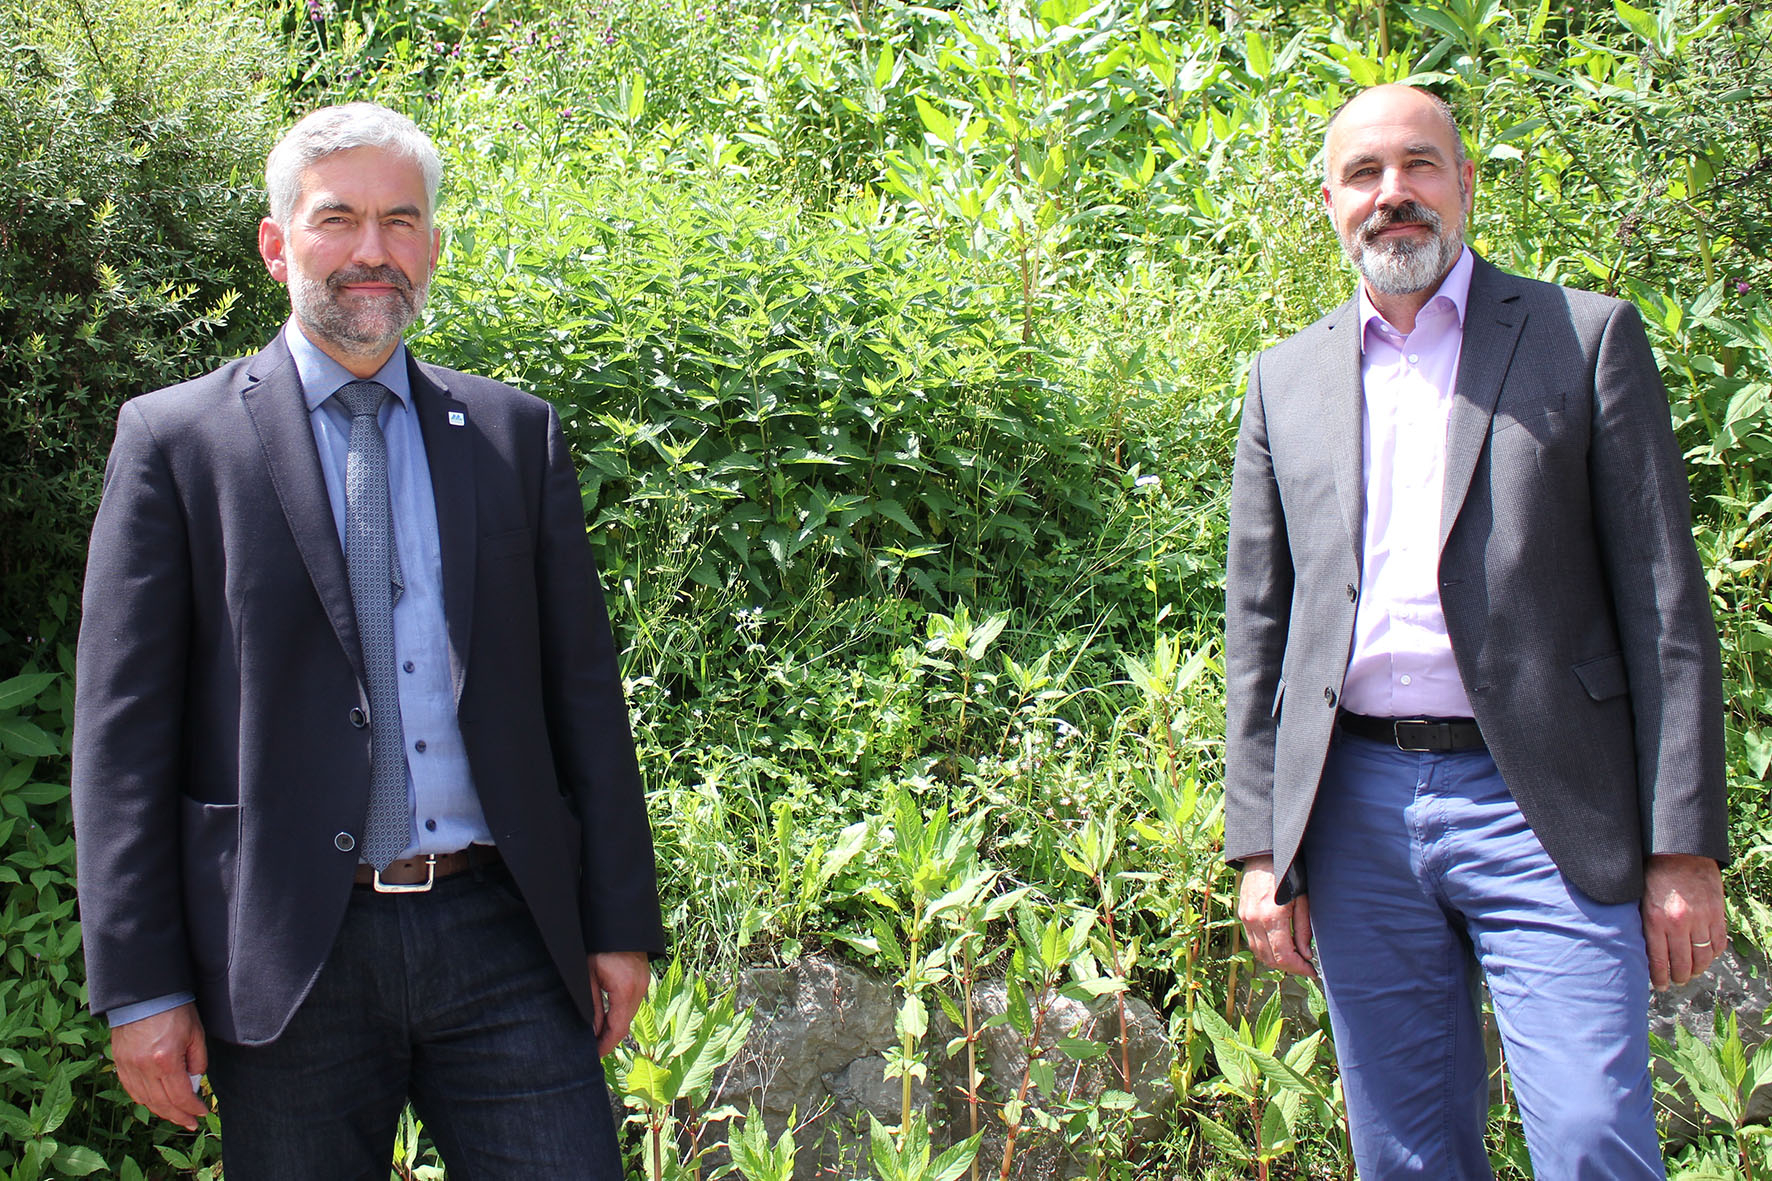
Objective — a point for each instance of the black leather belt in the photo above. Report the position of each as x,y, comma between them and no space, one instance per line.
415,875
1416,734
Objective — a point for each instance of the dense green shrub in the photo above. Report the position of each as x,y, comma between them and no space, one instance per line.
130,141
901,349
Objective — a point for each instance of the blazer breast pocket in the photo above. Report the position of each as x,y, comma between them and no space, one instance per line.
510,543
1603,677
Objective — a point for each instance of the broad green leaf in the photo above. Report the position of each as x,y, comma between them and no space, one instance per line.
21,689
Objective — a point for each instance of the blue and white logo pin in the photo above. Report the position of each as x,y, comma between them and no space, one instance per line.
457,418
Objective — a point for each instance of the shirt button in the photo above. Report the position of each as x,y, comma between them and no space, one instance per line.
1329,696
1405,678
344,842
409,666
1414,358
1352,592
359,719
419,746
430,826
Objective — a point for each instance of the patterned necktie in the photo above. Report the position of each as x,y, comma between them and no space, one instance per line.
374,572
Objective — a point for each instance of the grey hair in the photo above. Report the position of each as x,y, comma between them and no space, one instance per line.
330,130
1441,107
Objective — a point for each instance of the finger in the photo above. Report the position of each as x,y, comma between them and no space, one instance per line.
1679,958
1659,969
172,1098
1282,947
1301,929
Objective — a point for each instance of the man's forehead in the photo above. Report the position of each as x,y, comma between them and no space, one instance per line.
1389,114
361,177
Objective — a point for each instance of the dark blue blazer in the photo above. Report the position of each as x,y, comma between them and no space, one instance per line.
219,782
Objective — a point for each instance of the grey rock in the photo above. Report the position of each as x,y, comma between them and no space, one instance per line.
819,1030
1736,982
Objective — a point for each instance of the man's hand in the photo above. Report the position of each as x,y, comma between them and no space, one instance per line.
619,980
156,1058
1279,935
1684,926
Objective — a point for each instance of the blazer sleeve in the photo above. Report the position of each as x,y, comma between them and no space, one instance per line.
1258,603
587,717
1668,637
129,728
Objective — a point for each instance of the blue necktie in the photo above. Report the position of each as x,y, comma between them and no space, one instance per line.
374,571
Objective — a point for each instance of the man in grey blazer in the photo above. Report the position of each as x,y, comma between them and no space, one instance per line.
1474,700
339,601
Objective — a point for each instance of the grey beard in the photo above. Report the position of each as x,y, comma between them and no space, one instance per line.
1403,268
363,332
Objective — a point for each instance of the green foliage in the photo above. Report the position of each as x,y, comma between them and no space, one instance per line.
680,1037
1721,1076
128,156
901,350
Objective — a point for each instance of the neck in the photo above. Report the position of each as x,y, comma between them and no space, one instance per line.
1399,311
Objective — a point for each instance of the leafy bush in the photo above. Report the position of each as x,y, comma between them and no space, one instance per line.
128,155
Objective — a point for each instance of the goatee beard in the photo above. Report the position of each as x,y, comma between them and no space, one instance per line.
1402,266
363,331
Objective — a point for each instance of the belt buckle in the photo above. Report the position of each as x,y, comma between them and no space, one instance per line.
382,887
1425,728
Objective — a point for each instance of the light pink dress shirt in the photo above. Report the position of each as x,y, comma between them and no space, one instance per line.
1402,665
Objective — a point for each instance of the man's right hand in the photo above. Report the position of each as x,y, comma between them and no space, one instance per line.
1279,934
156,1058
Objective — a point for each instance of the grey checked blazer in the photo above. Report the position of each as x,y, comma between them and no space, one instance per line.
1578,613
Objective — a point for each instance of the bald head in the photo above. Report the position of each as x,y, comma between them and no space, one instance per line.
1386,101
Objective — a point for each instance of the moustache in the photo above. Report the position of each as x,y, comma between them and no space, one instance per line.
345,276
1408,213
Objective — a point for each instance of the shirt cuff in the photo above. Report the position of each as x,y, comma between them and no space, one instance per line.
124,1014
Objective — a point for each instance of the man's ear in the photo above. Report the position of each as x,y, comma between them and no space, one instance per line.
272,247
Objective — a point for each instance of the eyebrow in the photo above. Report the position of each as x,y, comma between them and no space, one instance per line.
335,205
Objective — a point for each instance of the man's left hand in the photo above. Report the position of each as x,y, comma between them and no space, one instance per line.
1683,921
619,980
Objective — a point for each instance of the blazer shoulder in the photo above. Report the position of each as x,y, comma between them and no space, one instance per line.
1305,348
1585,309
481,391
194,401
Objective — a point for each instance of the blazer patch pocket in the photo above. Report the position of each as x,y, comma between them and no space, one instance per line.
1604,677
211,834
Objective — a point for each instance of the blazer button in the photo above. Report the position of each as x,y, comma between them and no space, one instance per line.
344,842
1329,696
1352,592
359,718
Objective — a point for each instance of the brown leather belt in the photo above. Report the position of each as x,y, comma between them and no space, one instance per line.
1416,734
414,875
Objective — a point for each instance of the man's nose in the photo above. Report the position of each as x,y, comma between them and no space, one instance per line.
371,246
1393,188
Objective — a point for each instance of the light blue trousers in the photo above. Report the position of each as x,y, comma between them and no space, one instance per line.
1419,867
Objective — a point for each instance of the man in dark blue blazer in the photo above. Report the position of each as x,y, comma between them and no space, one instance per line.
233,921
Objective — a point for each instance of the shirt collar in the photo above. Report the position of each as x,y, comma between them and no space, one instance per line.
1455,289
321,376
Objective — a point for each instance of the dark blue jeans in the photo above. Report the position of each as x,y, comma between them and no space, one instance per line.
448,999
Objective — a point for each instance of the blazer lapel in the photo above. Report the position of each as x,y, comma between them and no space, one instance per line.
449,452
273,400
1493,319
1343,409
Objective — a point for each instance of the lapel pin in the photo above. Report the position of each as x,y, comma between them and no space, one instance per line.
457,418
